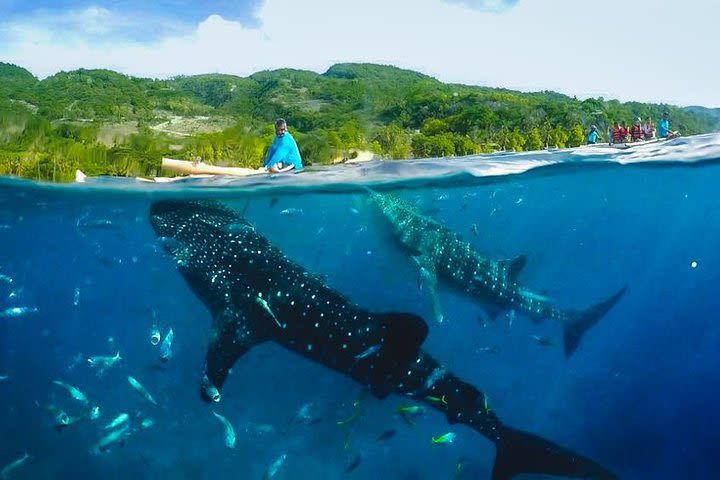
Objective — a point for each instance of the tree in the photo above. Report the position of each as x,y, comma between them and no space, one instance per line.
577,136
433,126
534,141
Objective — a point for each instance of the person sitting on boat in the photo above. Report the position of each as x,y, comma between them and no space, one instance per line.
593,136
664,128
624,131
616,134
283,154
636,131
648,129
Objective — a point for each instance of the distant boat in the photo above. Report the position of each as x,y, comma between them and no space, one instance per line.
625,145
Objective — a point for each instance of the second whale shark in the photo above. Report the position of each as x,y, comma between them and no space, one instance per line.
443,256
256,294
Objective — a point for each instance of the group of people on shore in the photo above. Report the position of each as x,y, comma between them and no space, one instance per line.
621,133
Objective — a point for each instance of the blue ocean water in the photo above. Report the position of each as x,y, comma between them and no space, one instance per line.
638,396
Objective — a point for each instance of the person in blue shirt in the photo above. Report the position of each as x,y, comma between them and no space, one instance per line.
664,128
283,154
593,136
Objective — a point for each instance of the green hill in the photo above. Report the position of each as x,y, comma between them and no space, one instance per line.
106,122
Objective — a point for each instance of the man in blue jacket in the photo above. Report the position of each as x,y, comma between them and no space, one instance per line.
283,154
664,128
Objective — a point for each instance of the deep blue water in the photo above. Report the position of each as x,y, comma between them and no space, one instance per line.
639,395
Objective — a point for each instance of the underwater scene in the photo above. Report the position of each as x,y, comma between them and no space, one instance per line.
533,315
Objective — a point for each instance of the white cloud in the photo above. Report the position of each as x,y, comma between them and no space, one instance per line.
489,6
530,47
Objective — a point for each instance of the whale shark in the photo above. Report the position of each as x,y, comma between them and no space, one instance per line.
443,256
255,294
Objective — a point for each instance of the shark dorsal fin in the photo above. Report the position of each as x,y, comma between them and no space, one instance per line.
513,266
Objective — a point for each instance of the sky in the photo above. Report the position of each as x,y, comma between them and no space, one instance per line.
660,51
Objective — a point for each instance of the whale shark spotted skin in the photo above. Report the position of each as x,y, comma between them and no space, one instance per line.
441,255
256,294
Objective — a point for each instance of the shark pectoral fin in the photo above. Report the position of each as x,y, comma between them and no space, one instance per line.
513,266
492,311
404,334
580,322
227,343
412,251
380,390
520,452
430,283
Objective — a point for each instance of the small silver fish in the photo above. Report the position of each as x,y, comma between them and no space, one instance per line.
73,391
264,304
155,336
137,386
229,430
274,467
95,413
5,278
291,211
76,297
5,472
17,311
103,362
121,419
112,438
166,347
369,351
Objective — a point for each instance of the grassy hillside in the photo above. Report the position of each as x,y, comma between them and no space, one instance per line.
109,123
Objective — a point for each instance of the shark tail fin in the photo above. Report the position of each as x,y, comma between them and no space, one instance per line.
581,322
520,452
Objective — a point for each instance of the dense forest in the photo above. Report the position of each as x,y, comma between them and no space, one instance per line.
103,122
